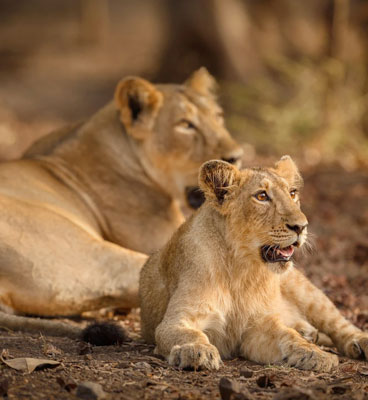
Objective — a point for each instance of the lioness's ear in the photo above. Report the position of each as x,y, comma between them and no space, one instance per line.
217,179
138,102
288,170
202,82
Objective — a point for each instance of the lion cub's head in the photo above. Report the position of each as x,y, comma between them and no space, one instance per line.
176,127
261,208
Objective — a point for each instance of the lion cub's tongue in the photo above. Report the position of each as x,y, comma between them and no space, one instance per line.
287,251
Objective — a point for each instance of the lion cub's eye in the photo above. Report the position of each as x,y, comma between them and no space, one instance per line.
293,194
262,196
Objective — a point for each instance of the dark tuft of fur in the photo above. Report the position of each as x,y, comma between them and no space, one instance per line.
104,334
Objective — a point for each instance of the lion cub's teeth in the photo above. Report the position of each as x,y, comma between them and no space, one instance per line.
287,251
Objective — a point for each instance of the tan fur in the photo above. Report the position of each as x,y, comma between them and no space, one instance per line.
83,208
209,293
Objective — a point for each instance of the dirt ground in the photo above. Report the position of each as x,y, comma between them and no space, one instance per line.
335,202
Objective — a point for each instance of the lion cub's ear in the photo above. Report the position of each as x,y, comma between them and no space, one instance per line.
139,103
218,179
202,82
288,170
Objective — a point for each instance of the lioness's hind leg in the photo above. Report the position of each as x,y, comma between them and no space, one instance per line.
55,267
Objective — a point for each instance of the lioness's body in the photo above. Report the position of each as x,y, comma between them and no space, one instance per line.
83,208
209,292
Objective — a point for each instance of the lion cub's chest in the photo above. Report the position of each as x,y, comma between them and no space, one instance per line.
232,310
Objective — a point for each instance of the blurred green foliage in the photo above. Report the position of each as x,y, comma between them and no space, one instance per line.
315,111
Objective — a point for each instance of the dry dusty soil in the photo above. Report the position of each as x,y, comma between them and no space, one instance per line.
336,203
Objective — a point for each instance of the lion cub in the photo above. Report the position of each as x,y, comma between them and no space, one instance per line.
225,284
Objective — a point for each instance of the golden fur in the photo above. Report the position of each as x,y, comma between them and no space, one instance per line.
84,206
218,289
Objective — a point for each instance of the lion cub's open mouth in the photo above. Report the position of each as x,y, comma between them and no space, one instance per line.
276,254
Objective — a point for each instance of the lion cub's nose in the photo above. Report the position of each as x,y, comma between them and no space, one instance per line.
297,228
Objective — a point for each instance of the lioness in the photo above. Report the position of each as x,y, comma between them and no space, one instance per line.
81,210
225,284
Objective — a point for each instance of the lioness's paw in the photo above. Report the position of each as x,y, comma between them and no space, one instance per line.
357,346
312,358
195,356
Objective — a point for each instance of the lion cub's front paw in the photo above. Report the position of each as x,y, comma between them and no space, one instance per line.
193,355
357,346
312,358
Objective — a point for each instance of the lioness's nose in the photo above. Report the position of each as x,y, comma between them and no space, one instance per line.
234,156
297,228
231,160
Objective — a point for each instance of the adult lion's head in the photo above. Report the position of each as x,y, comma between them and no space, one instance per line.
176,128
261,208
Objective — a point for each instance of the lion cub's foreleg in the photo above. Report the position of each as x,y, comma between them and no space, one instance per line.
268,340
181,341
323,314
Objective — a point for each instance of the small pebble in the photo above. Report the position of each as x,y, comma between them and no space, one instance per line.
232,390
246,372
90,391
142,365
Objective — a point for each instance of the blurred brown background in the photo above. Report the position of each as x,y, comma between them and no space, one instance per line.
293,74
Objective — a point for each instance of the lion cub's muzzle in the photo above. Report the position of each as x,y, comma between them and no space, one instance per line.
275,253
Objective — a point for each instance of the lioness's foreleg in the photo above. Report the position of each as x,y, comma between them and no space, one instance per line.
268,340
322,313
180,340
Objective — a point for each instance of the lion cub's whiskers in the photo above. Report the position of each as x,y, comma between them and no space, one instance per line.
309,246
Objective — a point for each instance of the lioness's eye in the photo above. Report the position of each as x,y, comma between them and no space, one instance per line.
186,124
220,116
293,194
262,196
